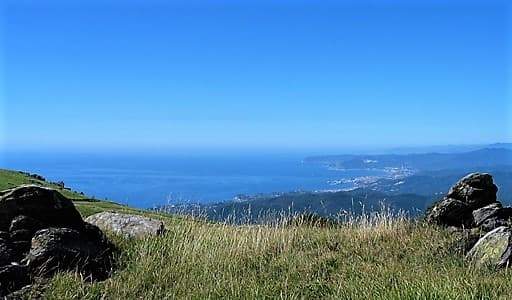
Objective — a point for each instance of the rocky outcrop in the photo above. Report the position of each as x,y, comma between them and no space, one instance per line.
41,233
482,226
476,190
470,203
132,226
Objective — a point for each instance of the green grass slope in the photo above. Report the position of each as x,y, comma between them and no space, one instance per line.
86,205
389,259
383,257
10,179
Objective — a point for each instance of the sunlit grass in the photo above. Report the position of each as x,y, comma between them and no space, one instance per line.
382,256
10,179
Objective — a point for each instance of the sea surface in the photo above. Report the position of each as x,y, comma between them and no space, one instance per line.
151,180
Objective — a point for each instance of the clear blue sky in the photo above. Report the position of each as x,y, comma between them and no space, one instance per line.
262,74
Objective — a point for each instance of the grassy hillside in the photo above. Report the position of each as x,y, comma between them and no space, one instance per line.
86,206
382,257
10,179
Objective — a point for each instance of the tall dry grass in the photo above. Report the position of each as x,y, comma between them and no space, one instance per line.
372,256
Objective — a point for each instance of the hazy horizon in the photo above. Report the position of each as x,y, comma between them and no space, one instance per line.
303,77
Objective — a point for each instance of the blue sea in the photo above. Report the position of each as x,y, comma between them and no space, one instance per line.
145,180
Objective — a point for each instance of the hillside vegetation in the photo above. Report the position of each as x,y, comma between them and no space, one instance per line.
336,205
86,205
378,257
367,259
10,179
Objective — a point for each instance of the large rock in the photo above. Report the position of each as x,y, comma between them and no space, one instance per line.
450,212
486,212
127,225
492,216
41,233
45,205
493,249
472,200
476,190
57,249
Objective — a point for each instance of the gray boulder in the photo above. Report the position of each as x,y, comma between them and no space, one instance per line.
486,212
476,190
132,226
492,216
493,249
472,200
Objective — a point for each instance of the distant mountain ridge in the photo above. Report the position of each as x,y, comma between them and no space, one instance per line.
430,176
328,204
426,161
